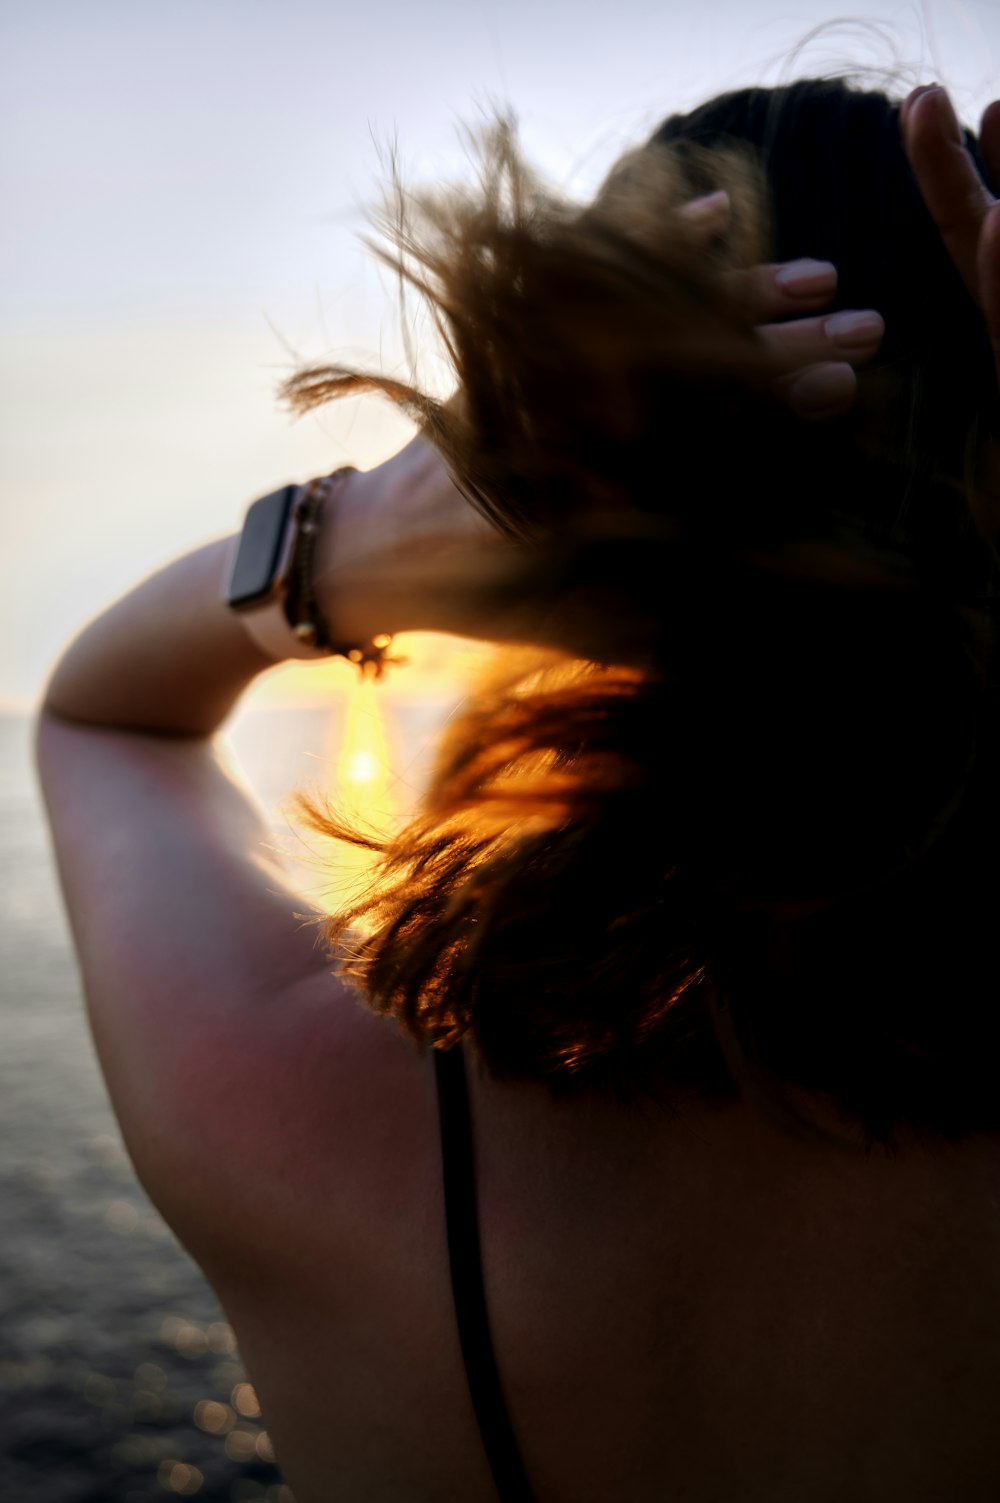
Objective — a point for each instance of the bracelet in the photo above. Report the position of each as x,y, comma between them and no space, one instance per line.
304,616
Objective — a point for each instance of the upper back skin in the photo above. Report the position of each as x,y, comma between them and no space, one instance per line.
696,1307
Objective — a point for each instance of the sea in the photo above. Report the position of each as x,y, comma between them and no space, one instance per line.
120,1378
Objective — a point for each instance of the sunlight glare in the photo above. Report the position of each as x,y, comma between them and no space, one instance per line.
361,767
361,787
362,776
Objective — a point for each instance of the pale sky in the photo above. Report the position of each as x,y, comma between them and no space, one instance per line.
183,185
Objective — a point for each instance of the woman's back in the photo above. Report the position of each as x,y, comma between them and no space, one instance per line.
749,837
695,1306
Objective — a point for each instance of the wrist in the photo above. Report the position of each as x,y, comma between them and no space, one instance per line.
402,549
272,573
351,583
394,547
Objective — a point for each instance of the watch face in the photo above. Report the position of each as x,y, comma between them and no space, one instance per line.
256,572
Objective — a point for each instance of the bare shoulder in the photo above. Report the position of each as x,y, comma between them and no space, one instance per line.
300,1134
250,1084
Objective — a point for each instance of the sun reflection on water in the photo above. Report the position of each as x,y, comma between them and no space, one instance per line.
361,787
375,743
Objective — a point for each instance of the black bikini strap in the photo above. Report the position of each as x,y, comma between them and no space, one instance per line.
467,1280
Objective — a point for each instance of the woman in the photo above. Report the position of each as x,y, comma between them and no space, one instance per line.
690,905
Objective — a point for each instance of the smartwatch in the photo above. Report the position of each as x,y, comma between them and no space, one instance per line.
264,570
270,581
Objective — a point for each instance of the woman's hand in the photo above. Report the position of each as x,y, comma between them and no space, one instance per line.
968,217
815,356
959,202
404,544
818,355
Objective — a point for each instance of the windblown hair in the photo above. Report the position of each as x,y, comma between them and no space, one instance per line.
744,840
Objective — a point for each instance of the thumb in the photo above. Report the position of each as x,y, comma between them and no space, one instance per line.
955,194
988,271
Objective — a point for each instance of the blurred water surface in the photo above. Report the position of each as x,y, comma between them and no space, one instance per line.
120,1381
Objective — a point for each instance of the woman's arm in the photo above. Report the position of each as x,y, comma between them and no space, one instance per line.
202,973
170,658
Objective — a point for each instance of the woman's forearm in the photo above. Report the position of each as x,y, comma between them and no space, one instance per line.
168,658
171,658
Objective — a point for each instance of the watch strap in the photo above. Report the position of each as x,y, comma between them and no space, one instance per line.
291,625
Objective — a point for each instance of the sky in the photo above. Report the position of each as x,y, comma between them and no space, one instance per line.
185,185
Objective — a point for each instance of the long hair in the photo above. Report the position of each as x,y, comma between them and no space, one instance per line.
743,840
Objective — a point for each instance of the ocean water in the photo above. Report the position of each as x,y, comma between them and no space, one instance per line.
120,1380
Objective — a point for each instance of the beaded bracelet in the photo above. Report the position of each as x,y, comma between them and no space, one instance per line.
304,616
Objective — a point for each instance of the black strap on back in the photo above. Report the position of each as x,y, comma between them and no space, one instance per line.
465,1257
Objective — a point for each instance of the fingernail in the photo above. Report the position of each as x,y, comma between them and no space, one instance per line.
822,389
707,209
943,104
852,329
911,99
806,278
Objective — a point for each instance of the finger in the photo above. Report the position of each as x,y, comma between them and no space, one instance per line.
821,392
852,336
989,278
989,143
955,195
911,99
783,289
708,216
